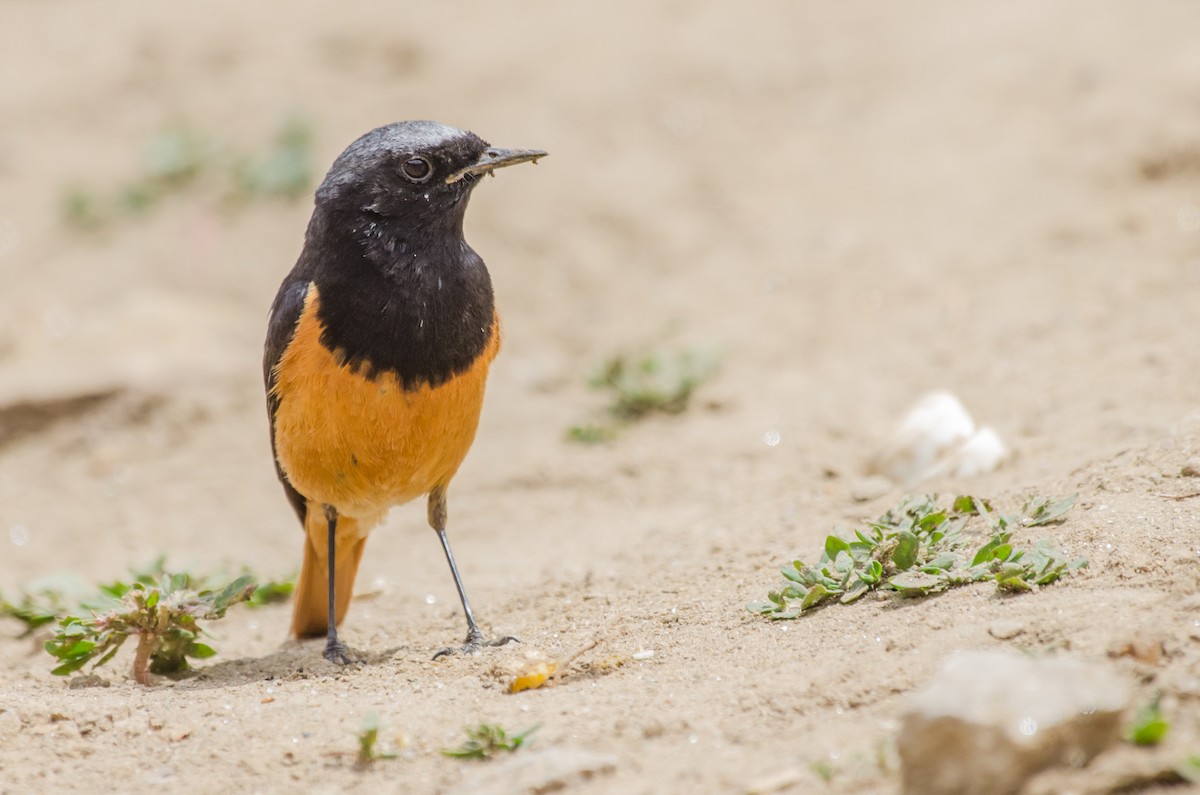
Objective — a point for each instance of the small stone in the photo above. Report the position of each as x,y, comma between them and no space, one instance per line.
1142,648
937,424
87,680
1191,469
938,438
1005,630
982,453
989,720
534,772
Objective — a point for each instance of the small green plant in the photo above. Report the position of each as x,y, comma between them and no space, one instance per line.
368,736
591,433
823,770
181,158
162,615
657,382
270,592
284,170
1149,726
486,740
918,549
41,603
94,623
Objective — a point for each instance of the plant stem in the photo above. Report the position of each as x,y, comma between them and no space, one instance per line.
141,660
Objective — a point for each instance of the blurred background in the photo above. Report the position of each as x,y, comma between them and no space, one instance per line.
847,205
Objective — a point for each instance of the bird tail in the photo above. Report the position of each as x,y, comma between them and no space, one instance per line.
310,612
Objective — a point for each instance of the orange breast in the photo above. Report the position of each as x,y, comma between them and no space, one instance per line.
363,445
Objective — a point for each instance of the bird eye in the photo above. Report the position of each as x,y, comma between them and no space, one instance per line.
416,169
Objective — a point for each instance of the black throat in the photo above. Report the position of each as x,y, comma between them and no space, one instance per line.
417,305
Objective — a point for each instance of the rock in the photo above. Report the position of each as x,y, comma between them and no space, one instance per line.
990,720
1191,469
87,680
535,771
937,438
1141,647
937,424
983,452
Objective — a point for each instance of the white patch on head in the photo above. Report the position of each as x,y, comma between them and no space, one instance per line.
421,134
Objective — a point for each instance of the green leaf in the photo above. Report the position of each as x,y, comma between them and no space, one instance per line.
944,561
834,545
152,599
931,520
988,550
905,553
1042,510
964,504
914,583
77,649
69,667
108,656
272,592
1150,726
201,651
855,591
815,596
237,591
485,740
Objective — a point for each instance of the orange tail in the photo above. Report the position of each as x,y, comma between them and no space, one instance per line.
310,613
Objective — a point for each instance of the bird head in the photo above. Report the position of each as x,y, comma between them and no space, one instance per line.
412,177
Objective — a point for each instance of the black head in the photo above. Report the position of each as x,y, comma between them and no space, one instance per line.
411,178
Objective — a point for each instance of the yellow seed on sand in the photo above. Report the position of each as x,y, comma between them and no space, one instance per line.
533,675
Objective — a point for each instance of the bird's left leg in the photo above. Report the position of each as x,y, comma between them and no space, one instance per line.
335,650
475,640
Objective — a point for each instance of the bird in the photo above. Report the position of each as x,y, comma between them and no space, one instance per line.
377,352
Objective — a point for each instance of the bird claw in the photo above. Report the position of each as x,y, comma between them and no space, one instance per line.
337,653
475,644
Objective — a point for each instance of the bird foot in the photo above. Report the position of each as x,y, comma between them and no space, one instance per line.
337,653
475,644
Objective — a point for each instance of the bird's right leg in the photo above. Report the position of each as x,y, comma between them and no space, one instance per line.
475,639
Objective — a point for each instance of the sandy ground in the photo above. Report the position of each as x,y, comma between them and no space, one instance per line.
854,202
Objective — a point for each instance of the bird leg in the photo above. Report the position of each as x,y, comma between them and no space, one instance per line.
475,639
335,650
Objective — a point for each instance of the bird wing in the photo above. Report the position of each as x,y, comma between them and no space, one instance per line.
281,327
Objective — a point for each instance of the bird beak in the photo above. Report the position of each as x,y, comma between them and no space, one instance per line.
493,158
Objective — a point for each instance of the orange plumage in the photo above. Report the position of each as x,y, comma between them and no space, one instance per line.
361,446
